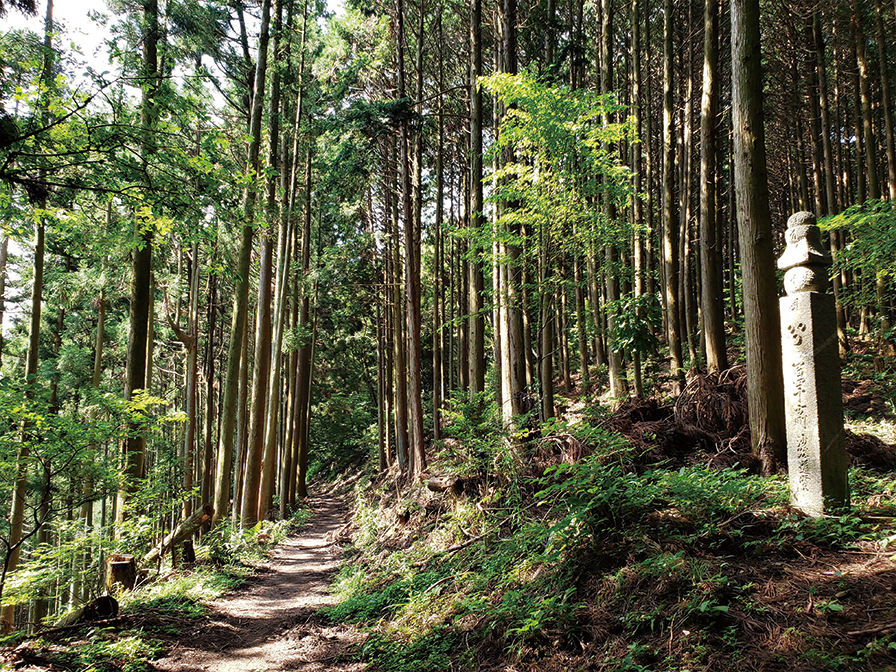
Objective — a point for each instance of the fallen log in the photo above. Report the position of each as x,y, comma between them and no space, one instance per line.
181,533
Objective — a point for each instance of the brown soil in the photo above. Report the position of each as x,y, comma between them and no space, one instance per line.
270,623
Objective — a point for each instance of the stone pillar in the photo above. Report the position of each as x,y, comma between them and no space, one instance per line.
816,453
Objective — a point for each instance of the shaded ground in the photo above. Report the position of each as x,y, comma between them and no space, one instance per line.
270,623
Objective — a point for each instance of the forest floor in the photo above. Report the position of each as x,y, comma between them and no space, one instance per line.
270,623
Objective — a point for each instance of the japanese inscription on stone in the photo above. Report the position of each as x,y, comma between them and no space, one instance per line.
816,455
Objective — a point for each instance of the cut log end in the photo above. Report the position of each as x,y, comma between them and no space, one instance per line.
450,484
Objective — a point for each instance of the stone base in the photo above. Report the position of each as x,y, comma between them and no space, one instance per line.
816,453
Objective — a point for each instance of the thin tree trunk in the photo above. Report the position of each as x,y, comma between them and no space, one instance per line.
437,314
824,102
689,313
513,364
4,253
618,382
638,261
546,331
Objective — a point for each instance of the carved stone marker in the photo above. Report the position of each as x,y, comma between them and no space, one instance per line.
816,454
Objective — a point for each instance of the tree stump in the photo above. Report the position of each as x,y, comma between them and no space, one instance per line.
121,569
100,609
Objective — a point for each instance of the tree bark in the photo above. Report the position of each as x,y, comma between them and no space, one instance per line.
134,447
224,467
303,371
618,381
764,369
885,99
437,314
476,328
411,215
670,222
873,184
270,432
712,306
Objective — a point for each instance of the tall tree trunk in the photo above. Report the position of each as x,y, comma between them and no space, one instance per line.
17,506
689,312
224,465
885,99
141,270
513,363
4,253
303,371
209,438
712,306
476,322
815,127
545,326
831,173
858,127
670,223
250,512
411,215
765,391
618,381
192,384
825,109
270,432
437,314
242,419
291,442
867,113
638,249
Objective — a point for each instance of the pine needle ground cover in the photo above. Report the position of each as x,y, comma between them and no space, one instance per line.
581,550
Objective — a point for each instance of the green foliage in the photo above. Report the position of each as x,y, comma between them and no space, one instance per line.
367,602
186,594
108,652
476,429
872,246
428,652
564,156
638,320
594,499
831,532
872,240
712,495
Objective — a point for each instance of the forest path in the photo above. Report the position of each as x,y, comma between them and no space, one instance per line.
270,624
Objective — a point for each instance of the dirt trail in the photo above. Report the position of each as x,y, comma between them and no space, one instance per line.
270,624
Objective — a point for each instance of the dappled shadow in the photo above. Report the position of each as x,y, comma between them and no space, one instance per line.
270,623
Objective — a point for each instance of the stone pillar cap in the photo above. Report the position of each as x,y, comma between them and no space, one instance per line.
804,246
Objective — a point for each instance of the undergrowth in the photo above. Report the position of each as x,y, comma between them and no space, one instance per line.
155,609
554,563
